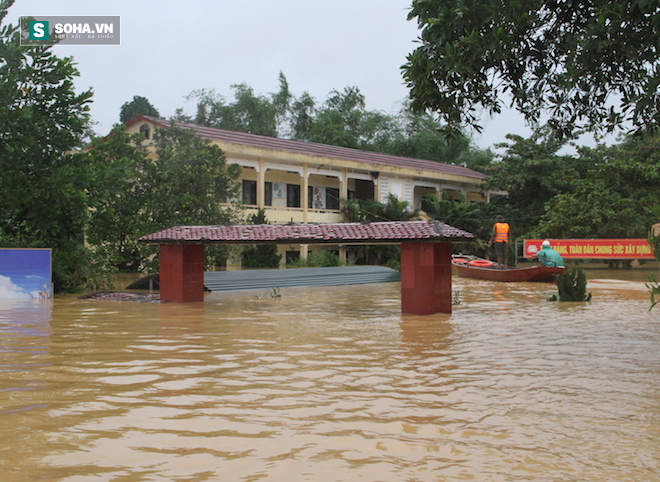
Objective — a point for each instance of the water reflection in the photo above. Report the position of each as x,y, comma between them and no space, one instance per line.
334,384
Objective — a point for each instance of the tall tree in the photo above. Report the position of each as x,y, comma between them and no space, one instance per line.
573,61
118,217
341,120
44,200
255,114
189,184
138,106
532,171
190,180
457,213
612,199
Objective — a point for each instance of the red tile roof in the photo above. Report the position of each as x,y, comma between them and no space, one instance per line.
352,233
314,149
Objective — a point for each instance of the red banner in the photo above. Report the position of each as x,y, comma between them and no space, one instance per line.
594,248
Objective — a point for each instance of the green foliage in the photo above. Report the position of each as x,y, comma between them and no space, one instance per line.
263,255
472,217
370,210
342,120
138,106
44,200
187,185
189,181
248,112
118,217
654,242
572,285
532,173
319,259
364,210
654,289
134,196
564,59
610,201
456,213
394,263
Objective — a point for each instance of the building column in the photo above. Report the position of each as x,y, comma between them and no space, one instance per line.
181,273
343,187
426,278
304,195
261,184
342,254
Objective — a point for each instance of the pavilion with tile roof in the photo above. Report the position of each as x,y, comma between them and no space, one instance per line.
426,248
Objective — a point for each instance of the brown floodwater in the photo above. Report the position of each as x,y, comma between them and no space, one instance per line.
334,384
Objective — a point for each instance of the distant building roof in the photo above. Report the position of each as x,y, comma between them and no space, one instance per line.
349,233
314,149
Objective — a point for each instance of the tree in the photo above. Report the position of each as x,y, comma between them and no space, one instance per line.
261,255
572,286
248,113
118,217
44,199
189,184
138,106
570,60
610,201
532,172
457,213
342,120
367,210
303,113
190,181
420,136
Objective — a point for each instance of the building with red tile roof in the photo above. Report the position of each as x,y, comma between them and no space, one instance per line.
304,182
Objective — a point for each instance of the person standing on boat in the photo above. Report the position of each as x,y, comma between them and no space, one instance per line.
548,256
501,238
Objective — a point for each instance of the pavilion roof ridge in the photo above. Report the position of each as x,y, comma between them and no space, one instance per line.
336,233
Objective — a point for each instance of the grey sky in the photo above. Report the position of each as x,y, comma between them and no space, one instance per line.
169,48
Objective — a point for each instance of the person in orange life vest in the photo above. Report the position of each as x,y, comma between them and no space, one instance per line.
501,239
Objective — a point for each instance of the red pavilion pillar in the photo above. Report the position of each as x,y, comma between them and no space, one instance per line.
425,278
181,273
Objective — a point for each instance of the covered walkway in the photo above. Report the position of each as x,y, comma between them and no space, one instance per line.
425,254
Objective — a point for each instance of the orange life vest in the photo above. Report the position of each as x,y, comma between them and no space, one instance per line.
501,232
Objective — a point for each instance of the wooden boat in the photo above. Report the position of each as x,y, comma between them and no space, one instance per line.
478,268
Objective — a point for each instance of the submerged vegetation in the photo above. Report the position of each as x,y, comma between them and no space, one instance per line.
572,285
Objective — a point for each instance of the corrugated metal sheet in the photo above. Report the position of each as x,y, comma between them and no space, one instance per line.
264,279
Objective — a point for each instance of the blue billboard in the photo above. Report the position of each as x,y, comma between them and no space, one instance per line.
25,273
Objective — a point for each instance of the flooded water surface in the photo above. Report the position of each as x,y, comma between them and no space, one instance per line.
334,384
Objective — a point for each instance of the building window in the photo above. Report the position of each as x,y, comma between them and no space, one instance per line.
363,190
292,256
249,192
322,197
332,198
293,195
144,129
268,195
